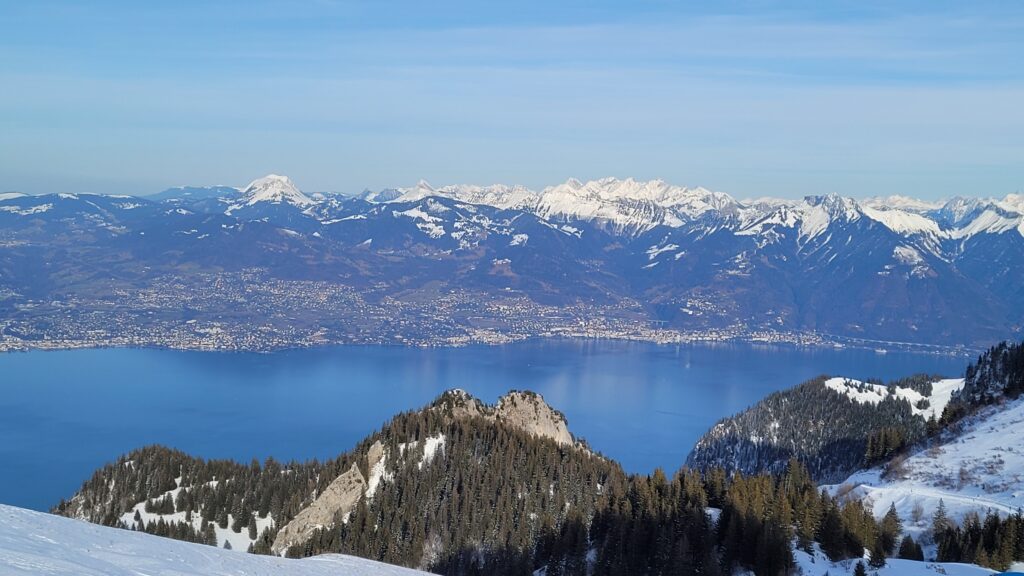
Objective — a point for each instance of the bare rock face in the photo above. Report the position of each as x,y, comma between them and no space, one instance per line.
375,455
338,499
525,411
460,404
529,412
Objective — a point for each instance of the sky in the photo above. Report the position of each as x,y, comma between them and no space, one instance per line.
752,98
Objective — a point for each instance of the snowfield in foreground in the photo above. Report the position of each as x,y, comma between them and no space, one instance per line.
980,469
38,543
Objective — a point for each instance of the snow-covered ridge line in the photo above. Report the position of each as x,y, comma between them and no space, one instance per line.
921,405
37,543
633,207
636,206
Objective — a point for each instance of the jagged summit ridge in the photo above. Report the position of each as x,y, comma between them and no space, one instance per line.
633,207
523,410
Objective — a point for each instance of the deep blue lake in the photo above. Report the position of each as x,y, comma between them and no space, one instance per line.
63,414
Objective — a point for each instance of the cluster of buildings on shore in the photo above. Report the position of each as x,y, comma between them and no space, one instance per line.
249,311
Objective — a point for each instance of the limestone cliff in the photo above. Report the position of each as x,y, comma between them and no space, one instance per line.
337,501
523,410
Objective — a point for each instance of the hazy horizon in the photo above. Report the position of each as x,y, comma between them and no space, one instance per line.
540,189
920,99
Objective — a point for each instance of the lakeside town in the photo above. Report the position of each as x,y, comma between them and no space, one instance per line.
248,312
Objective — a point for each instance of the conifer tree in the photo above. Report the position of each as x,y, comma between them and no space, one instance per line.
940,522
877,557
890,530
910,550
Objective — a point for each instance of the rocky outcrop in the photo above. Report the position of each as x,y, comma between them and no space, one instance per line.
523,410
529,412
337,501
459,404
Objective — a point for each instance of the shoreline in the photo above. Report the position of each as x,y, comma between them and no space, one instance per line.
659,338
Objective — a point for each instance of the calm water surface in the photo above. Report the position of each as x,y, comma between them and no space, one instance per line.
63,414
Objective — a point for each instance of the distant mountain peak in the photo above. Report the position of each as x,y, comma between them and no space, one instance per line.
275,189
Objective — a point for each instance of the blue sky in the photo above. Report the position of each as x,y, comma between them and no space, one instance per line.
751,98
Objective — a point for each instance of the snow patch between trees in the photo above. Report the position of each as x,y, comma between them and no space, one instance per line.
866,393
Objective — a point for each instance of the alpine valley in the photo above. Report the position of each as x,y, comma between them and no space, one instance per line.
268,266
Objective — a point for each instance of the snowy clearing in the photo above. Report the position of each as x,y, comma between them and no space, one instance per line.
980,469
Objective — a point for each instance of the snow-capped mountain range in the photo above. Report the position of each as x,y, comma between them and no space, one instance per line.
893,269
631,206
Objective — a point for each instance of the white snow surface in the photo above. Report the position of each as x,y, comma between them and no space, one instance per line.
817,564
907,255
239,540
656,250
431,445
637,206
426,222
904,203
866,393
37,543
377,474
274,189
625,204
903,222
977,470
990,221
27,211
10,195
519,240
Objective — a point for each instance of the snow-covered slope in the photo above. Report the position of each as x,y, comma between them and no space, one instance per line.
634,206
817,564
809,422
979,469
624,205
37,543
273,189
629,204
500,196
924,406
237,540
